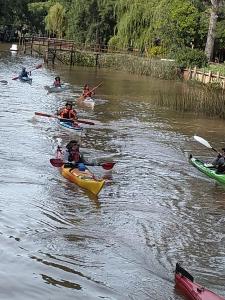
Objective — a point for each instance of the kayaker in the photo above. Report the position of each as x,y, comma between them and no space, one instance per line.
219,162
57,82
68,112
24,73
86,91
73,157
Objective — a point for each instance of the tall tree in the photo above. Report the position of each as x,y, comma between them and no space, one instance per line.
212,28
55,20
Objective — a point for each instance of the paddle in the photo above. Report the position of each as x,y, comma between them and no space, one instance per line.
37,67
63,119
58,162
82,97
204,142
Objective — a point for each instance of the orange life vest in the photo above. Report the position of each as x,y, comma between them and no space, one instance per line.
68,114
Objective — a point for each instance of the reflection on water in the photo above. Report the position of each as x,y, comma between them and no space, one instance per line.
155,209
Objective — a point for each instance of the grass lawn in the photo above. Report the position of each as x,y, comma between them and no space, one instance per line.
215,68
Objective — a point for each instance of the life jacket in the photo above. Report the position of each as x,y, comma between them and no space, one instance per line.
74,156
87,93
68,114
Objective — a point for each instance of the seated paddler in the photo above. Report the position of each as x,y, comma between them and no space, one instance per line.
23,73
219,162
72,156
68,113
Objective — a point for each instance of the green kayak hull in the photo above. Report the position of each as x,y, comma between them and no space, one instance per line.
207,170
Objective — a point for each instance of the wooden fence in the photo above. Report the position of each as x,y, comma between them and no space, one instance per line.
204,76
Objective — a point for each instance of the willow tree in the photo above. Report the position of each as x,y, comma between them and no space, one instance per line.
175,22
90,21
55,20
134,23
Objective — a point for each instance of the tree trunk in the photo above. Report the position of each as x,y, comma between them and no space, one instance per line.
212,29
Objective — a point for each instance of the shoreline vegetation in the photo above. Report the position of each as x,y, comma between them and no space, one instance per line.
200,98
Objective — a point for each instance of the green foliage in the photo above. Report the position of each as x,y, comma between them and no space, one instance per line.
55,20
156,51
90,21
187,57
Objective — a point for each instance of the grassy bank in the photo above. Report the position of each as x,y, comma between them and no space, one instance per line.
197,98
125,62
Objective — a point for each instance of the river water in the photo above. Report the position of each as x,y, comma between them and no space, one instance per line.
60,242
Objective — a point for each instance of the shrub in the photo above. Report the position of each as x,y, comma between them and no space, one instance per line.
187,57
156,51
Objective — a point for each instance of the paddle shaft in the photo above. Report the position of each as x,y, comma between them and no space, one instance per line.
58,162
63,119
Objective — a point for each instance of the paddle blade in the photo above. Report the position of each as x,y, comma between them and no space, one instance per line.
56,162
202,141
15,78
182,271
108,165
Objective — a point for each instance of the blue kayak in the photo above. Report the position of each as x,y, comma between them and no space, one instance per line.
69,125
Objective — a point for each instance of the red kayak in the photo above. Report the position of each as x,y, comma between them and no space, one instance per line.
194,291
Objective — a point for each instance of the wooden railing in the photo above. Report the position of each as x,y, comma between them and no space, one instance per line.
69,45
204,76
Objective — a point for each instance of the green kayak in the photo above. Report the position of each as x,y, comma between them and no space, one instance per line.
207,169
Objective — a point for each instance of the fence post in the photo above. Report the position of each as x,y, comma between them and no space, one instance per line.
209,77
31,46
194,72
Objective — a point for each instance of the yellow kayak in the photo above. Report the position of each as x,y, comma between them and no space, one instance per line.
84,179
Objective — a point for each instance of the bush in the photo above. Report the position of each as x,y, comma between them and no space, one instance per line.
187,57
156,51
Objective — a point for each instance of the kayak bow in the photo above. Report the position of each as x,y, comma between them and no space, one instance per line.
194,291
207,169
84,179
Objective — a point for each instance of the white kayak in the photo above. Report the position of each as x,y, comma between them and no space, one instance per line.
25,79
56,89
87,102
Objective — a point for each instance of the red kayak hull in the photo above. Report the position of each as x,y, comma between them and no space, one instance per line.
193,290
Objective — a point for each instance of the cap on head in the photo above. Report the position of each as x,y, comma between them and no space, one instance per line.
223,149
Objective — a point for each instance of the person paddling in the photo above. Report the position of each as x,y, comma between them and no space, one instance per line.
219,161
87,92
72,156
24,73
57,82
68,112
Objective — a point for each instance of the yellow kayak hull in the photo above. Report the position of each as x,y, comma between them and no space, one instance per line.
84,179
